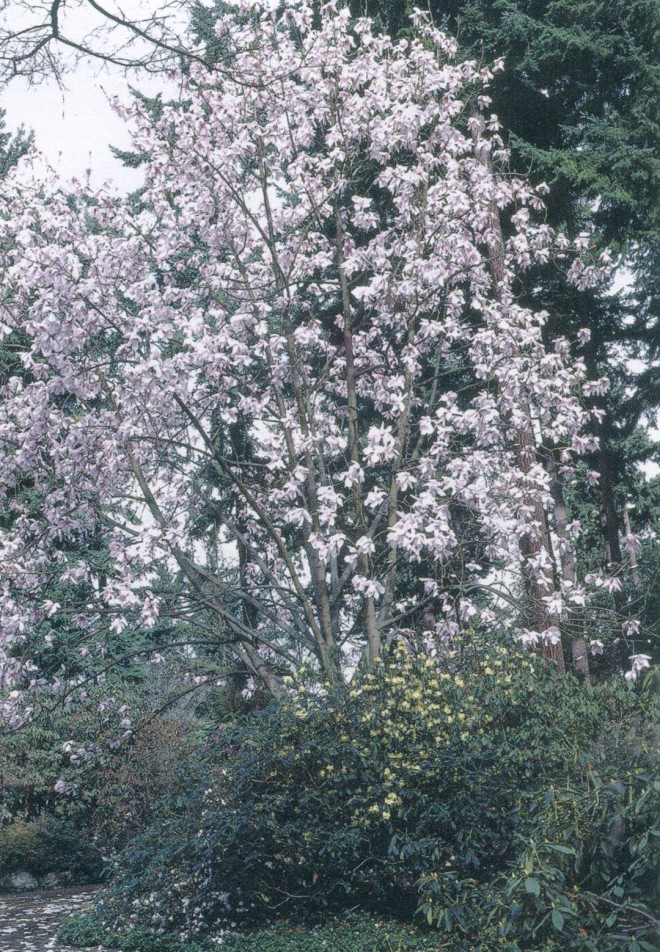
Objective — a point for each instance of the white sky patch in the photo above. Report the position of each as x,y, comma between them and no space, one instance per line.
75,125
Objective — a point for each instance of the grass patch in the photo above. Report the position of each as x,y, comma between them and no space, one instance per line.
346,934
350,933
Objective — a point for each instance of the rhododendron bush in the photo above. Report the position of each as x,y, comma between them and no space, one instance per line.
473,798
291,375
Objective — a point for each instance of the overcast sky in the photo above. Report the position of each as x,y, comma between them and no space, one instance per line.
75,126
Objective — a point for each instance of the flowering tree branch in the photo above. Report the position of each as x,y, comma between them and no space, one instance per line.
296,374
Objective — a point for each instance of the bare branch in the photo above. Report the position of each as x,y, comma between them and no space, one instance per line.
35,38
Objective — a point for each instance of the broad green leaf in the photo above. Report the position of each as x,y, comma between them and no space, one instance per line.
557,920
532,886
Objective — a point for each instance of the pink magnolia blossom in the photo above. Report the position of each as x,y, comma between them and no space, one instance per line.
259,347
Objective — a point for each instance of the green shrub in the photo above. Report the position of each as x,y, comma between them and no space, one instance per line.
48,845
130,784
21,848
590,873
585,869
82,931
350,933
116,787
34,757
87,931
419,787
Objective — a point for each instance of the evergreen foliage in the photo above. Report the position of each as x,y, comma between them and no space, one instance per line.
479,792
578,101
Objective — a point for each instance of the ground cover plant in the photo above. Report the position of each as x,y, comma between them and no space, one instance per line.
349,933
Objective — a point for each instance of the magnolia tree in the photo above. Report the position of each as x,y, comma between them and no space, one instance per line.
292,375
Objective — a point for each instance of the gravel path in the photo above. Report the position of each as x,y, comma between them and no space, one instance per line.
29,922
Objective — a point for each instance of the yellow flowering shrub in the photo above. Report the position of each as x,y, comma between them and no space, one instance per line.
355,796
413,788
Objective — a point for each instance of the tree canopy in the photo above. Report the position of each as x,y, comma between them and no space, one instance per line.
294,374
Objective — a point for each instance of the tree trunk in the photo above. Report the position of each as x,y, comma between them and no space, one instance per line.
631,551
525,450
610,524
579,651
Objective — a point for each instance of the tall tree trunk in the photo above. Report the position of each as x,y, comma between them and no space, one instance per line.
631,551
611,528
533,544
579,651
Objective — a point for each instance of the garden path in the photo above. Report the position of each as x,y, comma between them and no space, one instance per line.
29,921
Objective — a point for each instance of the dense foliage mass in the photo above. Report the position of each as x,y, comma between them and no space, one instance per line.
481,795
305,447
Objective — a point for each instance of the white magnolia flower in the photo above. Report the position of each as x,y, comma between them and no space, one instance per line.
639,663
